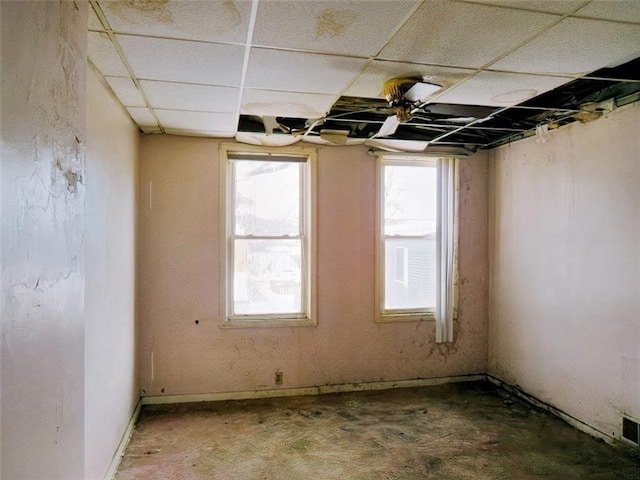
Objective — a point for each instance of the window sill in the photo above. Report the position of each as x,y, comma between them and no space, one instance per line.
267,322
405,317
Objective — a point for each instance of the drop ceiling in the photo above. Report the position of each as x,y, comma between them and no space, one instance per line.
276,72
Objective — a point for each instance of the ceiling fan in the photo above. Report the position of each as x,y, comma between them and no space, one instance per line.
405,96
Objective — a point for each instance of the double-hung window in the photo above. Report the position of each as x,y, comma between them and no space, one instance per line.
268,247
416,241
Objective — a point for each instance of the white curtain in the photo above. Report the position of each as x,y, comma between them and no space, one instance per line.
446,248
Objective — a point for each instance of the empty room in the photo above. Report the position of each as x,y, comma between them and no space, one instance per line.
320,239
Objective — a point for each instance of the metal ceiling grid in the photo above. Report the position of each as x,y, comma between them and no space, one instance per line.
277,72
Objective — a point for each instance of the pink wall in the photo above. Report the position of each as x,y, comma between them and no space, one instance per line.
179,283
111,393
565,279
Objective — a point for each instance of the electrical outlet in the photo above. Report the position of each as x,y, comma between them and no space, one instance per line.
279,378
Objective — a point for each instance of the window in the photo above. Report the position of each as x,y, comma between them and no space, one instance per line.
415,266
268,242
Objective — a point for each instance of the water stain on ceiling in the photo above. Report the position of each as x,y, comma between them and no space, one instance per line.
314,70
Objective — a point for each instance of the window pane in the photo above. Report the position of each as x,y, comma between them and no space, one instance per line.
410,273
409,200
267,197
267,276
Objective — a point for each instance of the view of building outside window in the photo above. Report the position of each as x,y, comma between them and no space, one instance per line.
267,239
410,210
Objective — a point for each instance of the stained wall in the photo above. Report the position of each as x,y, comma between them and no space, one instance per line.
179,279
68,183
565,268
43,251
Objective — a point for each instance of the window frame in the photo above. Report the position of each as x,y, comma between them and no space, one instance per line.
383,315
308,218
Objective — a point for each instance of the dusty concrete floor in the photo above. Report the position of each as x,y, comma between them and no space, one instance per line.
450,432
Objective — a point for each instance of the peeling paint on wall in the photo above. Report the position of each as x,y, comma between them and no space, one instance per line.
43,108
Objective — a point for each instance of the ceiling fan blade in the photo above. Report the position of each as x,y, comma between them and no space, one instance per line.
421,91
389,126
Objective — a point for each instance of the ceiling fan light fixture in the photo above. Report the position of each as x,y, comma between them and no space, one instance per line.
394,88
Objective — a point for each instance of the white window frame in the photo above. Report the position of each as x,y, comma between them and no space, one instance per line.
308,217
446,241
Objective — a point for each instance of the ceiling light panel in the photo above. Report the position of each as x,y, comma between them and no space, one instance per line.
104,56
219,122
500,89
285,104
575,47
209,21
462,34
187,96
300,72
369,83
126,91
183,61
351,27
620,10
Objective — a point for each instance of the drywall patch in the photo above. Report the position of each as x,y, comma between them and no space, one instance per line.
331,22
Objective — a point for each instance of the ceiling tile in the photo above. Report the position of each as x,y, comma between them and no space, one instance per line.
262,139
176,119
354,27
369,83
94,22
192,20
187,96
575,47
126,91
462,34
397,145
300,72
142,116
285,104
500,89
199,133
550,6
621,10
104,55
183,61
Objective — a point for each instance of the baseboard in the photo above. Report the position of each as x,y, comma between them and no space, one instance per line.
124,441
390,385
314,390
574,422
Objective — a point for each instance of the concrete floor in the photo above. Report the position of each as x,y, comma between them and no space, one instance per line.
450,432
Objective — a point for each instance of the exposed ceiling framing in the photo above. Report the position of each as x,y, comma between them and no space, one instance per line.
275,72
